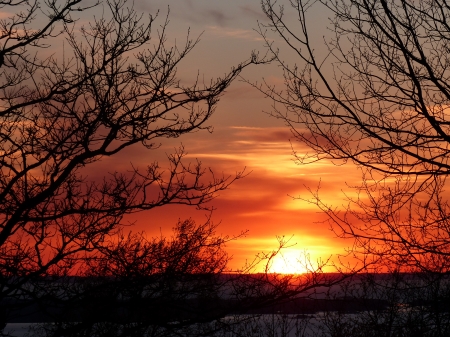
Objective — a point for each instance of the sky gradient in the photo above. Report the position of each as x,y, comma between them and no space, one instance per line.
263,203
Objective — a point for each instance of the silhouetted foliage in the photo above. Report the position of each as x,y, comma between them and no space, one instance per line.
375,93
134,285
377,98
67,260
111,85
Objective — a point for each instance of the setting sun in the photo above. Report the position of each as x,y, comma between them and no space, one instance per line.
289,262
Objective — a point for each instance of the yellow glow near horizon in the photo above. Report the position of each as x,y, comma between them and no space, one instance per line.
289,262
300,254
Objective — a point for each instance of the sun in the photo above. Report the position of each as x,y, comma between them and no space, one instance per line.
288,262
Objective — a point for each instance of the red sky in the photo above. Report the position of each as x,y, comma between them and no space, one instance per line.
244,137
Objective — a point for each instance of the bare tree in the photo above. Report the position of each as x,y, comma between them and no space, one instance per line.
64,251
113,85
138,286
378,98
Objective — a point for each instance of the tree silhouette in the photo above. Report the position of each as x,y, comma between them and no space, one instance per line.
112,86
376,94
136,286
378,98
65,255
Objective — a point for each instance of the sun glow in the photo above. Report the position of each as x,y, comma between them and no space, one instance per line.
289,262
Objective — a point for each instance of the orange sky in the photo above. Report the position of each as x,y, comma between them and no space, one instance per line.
244,137
268,204
262,203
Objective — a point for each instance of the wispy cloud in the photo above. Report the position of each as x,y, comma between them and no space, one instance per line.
253,12
263,202
245,34
218,17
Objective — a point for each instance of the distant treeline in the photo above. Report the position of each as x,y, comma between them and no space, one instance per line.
107,300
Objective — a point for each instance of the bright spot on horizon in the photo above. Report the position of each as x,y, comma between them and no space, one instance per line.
292,261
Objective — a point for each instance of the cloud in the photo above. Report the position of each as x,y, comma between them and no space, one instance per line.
262,202
218,17
244,34
5,15
204,16
254,13
272,135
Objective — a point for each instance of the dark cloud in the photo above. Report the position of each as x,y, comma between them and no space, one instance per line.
273,136
252,12
218,17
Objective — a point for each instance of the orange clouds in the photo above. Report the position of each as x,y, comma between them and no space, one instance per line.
263,202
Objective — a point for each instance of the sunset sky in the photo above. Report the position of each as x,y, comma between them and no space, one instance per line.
244,136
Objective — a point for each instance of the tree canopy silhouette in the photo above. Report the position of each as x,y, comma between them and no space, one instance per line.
112,85
64,252
376,94
65,255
